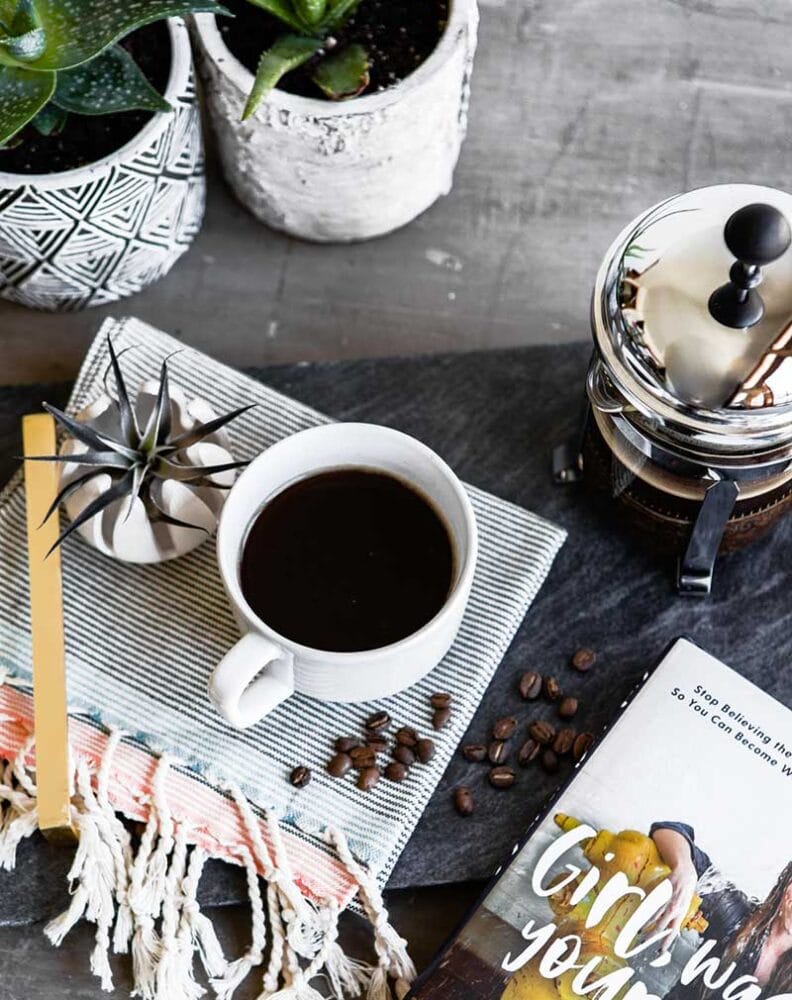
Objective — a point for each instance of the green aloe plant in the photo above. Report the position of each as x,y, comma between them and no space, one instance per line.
61,56
137,457
341,72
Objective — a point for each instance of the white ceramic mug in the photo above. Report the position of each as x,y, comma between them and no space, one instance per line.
264,668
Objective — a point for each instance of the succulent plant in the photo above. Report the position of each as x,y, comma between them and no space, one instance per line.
135,461
61,56
341,72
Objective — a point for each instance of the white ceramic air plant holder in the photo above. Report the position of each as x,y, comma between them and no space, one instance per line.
264,668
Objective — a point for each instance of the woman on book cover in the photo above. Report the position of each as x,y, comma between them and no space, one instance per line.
757,936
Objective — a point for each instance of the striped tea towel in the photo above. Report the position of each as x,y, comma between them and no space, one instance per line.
141,642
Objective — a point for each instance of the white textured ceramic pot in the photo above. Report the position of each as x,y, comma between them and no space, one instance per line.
96,234
350,170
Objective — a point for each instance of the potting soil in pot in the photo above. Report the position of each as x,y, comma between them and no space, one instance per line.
397,34
88,138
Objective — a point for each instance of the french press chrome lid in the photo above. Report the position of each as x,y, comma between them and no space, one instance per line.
692,321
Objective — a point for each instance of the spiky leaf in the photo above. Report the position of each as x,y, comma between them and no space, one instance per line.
109,83
343,74
283,11
105,459
159,423
78,30
185,473
23,94
288,52
118,490
50,120
201,431
126,412
68,490
83,432
156,513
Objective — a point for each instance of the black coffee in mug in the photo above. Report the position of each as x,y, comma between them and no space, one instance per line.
347,560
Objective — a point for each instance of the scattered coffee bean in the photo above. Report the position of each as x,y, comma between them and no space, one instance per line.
463,801
584,659
424,750
530,685
404,755
498,752
501,777
346,743
395,771
568,707
363,757
474,752
552,688
300,776
441,717
582,745
339,765
440,700
504,728
377,721
550,761
542,732
407,736
564,741
529,751
378,743
368,778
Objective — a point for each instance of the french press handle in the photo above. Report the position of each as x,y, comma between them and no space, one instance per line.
757,235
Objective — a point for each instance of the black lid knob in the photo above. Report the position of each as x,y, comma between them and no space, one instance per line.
756,235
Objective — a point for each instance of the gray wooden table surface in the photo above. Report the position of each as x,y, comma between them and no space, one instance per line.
583,113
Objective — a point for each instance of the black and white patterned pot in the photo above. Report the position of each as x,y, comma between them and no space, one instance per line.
96,234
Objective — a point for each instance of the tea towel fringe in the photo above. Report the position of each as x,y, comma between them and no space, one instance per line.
144,898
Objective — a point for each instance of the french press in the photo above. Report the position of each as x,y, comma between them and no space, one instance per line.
689,392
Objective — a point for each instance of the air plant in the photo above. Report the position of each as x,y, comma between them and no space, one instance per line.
341,71
138,457
61,57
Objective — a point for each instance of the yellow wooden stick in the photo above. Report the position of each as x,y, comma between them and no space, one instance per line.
46,618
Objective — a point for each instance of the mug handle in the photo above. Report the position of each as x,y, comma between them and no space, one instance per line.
252,679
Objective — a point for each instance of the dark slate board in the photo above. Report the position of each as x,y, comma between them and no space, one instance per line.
495,417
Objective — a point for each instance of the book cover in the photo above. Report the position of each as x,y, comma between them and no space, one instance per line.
664,867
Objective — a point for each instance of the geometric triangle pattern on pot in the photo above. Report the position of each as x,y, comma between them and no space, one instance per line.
92,236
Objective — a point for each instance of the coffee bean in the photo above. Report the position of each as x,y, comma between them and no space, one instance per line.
440,717
440,700
582,745
300,776
424,750
550,761
530,686
498,752
346,743
552,689
542,732
395,771
564,741
474,752
584,659
501,777
529,751
363,757
368,778
568,707
339,765
377,721
407,736
404,755
463,801
379,744
504,728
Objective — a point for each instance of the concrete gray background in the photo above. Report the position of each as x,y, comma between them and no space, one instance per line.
583,113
